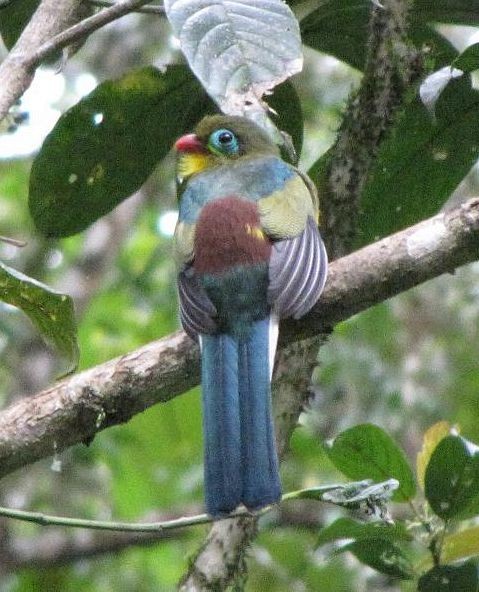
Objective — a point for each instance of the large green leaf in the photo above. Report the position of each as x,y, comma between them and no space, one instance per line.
51,312
367,452
450,578
452,478
104,148
422,162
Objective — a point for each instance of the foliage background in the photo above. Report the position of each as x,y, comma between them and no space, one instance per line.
402,365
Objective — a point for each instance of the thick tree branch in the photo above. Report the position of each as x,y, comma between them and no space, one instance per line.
48,31
74,409
393,65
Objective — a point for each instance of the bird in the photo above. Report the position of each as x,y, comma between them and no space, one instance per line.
248,252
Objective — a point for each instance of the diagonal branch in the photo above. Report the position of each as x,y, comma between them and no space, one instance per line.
74,409
50,30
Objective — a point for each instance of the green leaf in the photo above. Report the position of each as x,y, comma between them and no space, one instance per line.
347,528
421,162
452,478
460,545
450,578
238,51
431,438
340,28
383,556
51,312
367,452
468,61
104,148
13,19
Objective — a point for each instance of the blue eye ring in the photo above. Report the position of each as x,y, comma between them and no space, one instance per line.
223,141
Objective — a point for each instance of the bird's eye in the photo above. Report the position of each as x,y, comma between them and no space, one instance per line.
225,137
223,141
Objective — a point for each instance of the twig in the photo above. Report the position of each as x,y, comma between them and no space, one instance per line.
83,29
48,520
148,9
184,521
12,241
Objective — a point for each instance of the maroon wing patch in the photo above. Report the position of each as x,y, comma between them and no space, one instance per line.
297,272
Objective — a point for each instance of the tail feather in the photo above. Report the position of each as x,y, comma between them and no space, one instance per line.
241,463
260,472
221,424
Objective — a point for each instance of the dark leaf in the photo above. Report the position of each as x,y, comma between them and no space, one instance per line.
383,556
468,61
450,578
347,528
421,162
286,103
13,19
51,312
367,452
452,478
104,148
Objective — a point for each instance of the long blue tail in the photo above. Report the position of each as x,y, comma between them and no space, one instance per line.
241,463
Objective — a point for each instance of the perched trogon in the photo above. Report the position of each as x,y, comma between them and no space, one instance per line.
248,251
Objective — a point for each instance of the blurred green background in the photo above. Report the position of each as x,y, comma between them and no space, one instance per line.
403,365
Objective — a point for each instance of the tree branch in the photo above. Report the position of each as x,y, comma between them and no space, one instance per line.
393,65
48,31
147,9
74,409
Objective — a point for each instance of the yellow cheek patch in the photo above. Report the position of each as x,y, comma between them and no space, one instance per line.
255,231
191,163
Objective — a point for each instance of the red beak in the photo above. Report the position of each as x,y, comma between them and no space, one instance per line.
189,143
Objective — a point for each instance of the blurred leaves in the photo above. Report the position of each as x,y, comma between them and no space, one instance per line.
51,312
367,452
452,478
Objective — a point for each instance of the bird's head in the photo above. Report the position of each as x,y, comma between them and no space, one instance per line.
219,140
